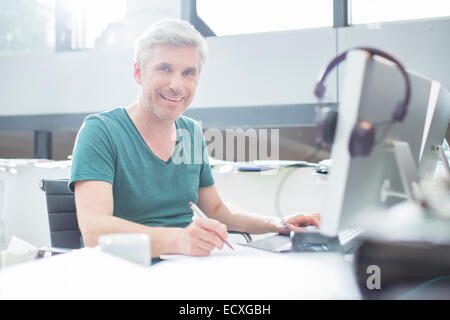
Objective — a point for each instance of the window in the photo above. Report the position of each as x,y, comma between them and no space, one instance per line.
26,26
113,23
61,25
88,19
226,17
369,11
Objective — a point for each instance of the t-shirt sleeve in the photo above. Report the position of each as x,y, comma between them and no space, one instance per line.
206,176
93,155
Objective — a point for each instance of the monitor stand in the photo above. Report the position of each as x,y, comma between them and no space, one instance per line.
408,173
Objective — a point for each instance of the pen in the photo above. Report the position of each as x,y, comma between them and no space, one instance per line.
200,213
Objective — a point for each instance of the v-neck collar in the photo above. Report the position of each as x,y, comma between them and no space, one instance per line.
169,161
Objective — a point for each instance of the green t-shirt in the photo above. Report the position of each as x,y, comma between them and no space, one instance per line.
146,189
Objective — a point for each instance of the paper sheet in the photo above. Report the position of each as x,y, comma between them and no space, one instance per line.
238,249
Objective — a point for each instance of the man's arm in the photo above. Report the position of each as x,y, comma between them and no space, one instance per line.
94,204
240,220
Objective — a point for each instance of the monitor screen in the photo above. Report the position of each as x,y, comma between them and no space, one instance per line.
372,88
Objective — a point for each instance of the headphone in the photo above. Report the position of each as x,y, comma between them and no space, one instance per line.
362,138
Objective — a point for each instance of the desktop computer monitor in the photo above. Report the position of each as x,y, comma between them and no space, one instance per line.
436,124
372,87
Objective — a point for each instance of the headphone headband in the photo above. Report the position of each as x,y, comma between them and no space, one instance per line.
399,112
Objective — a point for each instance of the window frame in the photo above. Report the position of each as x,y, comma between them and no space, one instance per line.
189,13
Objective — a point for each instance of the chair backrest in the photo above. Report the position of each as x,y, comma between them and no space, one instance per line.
62,216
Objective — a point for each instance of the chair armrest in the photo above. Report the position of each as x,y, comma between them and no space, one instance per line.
240,236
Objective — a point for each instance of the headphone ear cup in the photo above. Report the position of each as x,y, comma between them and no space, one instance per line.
326,126
362,139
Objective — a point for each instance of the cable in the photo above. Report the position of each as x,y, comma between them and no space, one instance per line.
415,292
283,182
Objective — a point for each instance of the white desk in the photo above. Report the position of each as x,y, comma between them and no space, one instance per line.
245,274
88,273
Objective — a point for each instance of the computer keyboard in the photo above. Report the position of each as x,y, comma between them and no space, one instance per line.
311,229
349,239
346,236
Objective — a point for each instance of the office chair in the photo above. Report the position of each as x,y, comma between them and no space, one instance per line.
62,216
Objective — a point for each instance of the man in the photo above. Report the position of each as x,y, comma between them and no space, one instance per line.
124,175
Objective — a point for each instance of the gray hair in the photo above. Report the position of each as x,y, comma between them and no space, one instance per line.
173,32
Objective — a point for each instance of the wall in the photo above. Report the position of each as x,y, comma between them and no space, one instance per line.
270,69
66,82
265,69
245,70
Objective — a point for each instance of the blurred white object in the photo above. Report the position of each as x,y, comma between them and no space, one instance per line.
134,247
437,196
406,221
18,251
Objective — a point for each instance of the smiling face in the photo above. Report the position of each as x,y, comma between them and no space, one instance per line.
168,80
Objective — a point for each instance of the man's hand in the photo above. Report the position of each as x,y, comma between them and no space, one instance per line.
202,236
298,222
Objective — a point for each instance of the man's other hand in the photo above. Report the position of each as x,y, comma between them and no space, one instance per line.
202,236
